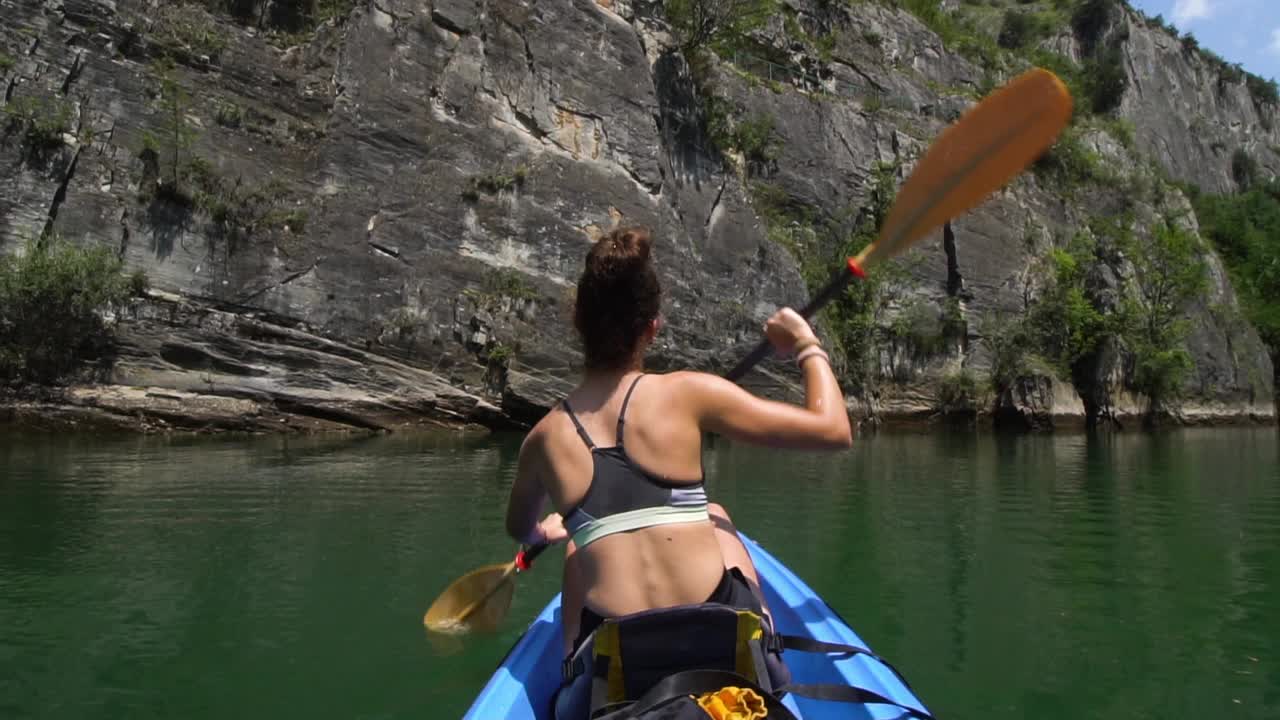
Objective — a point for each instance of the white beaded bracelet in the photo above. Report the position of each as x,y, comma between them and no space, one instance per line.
811,352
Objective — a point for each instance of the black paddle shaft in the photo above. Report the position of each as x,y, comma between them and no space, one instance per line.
824,296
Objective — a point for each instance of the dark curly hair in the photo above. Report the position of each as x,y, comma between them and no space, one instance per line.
618,296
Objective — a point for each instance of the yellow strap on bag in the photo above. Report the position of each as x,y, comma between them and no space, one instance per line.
733,703
609,644
749,662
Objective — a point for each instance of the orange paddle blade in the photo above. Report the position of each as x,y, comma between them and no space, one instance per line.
476,601
994,141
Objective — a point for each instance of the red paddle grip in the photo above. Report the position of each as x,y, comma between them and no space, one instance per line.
856,269
524,558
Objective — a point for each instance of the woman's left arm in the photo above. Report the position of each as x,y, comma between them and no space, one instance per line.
528,496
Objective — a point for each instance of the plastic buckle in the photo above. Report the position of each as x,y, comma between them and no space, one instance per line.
774,643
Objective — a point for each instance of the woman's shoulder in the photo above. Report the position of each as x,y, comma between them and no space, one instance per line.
685,377
553,429
542,429
685,381
693,390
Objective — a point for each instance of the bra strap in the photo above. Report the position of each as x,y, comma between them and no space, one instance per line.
622,414
582,432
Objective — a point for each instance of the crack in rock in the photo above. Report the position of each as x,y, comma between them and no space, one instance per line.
60,195
847,148
529,123
653,189
306,409
383,18
715,209
870,80
955,281
439,19
77,66
124,233
1133,72
287,279
390,252
528,51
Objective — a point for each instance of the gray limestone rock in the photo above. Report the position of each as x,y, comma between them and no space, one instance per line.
400,202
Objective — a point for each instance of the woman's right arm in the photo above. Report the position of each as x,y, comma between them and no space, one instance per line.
724,408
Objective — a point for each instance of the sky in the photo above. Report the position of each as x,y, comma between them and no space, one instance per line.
1241,31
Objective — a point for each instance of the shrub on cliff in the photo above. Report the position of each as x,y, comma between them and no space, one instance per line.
1065,323
1021,28
1245,228
1244,169
959,392
1264,92
52,300
1092,20
721,25
1106,81
752,136
40,122
1071,163
1008,342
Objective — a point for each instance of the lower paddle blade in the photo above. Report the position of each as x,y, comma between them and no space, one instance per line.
475,601
983,150
488,616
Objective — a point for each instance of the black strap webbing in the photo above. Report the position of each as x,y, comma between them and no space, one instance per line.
805,644
849,694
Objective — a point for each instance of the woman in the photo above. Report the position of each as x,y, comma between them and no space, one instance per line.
621,457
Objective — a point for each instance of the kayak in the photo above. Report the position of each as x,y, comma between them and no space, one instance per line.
524,684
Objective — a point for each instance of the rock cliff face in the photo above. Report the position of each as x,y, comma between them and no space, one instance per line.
379,222
1188,114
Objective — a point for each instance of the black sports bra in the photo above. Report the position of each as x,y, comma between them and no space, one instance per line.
622,496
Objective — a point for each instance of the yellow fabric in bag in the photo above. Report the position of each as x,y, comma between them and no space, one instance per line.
733,703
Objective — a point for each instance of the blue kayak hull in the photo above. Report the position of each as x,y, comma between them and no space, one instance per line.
523,685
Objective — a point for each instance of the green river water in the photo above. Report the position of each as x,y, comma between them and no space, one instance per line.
1066,576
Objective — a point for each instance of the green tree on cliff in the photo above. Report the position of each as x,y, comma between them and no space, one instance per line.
53,297
1170,273
720,25
169,146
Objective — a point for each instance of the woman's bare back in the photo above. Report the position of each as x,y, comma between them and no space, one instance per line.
650,567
